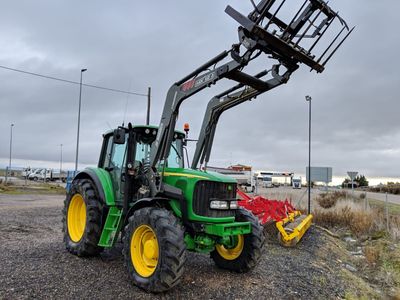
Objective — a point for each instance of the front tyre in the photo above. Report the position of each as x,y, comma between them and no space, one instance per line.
154,249
245,250
82,219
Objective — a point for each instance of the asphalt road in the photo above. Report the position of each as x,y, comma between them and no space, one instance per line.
300,195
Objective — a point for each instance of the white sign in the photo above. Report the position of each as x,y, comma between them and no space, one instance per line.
352,174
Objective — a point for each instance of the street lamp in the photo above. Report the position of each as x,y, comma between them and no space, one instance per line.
11,136
308,99
61,145
79,121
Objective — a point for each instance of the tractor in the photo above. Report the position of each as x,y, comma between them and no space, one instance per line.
142,191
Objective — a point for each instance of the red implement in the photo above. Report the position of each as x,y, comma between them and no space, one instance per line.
290,223
266,210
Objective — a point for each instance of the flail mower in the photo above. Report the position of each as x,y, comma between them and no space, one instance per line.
290,223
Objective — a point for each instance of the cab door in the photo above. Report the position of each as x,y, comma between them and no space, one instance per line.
115,162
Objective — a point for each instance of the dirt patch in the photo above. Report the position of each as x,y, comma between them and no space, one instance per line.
35,264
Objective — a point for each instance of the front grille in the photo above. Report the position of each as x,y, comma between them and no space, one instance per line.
206,190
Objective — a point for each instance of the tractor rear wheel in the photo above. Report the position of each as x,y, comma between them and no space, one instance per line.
82,219
154,249
245,250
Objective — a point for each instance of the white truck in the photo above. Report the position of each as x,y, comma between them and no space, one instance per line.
47,175
35,174
26,171
296,183
263,179
267,182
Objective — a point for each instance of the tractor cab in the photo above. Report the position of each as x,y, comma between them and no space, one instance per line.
126,152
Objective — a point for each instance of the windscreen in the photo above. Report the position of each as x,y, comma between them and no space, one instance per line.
175,158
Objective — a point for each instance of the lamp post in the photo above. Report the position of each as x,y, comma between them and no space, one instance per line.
11,136
79,121
308,99
61,145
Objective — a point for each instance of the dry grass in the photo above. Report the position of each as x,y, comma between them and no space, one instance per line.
4,187
372,254
40,188
357,221
360,221
391,188
328,200
382,259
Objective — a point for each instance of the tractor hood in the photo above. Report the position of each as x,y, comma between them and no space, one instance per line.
196,174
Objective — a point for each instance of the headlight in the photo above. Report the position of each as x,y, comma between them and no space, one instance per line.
234,205
218,204
221,204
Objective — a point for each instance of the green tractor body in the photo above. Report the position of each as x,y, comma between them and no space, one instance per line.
206,209
199,189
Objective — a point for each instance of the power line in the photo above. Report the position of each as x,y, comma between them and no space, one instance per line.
73,82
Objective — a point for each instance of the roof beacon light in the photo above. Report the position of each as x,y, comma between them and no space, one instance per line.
186,128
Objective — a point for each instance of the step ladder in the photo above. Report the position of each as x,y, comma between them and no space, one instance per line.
111,228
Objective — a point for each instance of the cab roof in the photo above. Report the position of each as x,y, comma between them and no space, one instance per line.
142,126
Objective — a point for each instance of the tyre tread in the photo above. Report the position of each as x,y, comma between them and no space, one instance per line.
172,247
87,246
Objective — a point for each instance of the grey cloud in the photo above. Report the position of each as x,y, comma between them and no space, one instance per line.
136,44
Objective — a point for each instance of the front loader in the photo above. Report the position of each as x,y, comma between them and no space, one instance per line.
289,222
285,49
141,189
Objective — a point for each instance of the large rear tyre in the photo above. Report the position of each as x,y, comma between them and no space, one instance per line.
82,219
245,251
154,249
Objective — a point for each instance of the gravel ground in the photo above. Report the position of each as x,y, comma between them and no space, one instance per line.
35,264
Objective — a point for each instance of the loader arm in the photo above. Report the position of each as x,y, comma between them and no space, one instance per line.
257,35
227,100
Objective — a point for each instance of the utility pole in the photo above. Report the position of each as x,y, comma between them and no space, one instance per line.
79,121
61,145
148,106
11,136
308,99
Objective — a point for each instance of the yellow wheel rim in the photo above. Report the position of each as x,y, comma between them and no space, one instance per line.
144,250
76,219
231,253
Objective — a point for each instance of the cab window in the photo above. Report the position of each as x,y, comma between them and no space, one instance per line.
175,157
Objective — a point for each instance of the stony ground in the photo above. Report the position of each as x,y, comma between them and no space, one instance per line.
35,264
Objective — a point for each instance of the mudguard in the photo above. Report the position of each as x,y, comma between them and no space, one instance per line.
103,182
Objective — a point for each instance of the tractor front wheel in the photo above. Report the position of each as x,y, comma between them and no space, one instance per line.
154,249
82,219
245,250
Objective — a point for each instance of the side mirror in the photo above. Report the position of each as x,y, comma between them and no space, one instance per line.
119,136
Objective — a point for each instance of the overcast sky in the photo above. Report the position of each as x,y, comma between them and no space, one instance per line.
131,45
